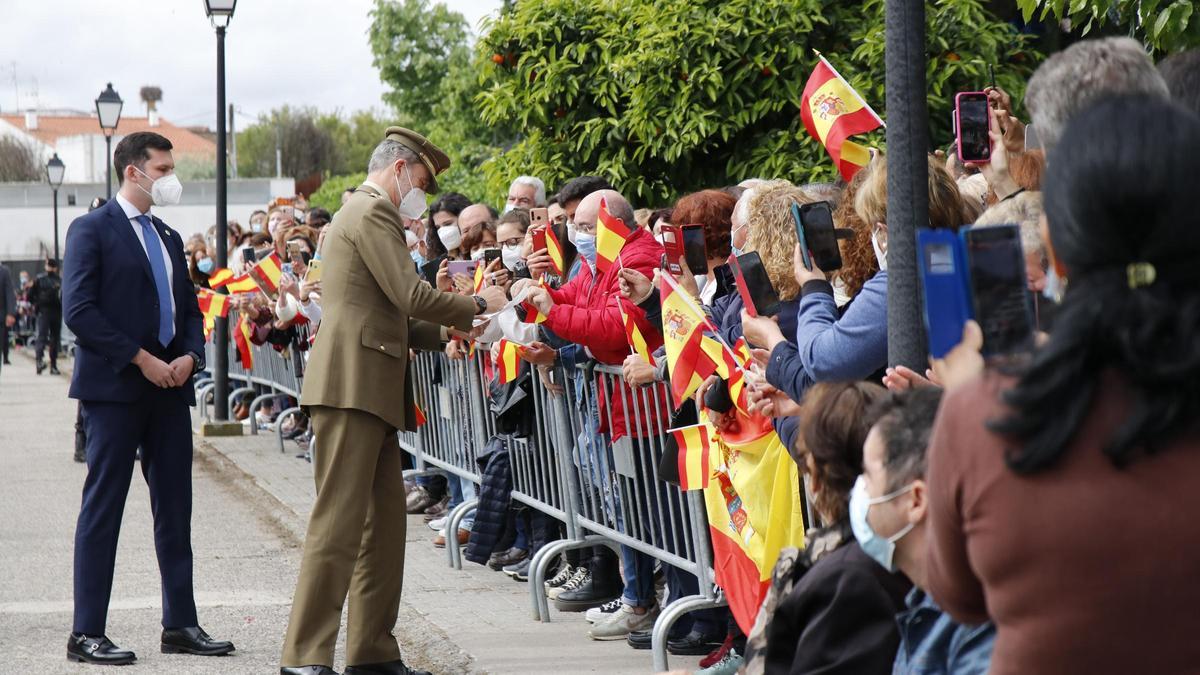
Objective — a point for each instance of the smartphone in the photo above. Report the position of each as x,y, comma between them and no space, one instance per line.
971,114
817,226
694,251
314,271
758,295
539,238
726,283
248,256
539,217
457,267
672,239
430,269
999,293
489,255
944,288
1032,142
297,255
286,268
805,256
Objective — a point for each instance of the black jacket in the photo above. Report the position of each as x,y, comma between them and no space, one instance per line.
839,618
495,491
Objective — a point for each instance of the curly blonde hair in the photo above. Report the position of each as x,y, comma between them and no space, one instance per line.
858,256
773,232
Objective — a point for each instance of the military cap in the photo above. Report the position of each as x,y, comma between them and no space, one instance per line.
431,155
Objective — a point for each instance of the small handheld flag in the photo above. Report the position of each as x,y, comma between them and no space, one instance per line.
832,112
554,250
694,467
508,363
611,235
634,336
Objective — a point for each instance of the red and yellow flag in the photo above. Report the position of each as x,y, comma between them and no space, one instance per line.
554,250
419,416
266,274
479,276
530,313
220,277
212,305
734,364
691,357
508,363
241,338
694,468
611,234
832,112
233,284
634,336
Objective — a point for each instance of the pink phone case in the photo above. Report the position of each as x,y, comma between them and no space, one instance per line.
958,127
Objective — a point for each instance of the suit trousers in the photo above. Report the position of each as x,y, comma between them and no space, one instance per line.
354,545
161,425
49,332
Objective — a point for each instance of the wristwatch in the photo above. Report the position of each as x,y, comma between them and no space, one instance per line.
197,362
480,304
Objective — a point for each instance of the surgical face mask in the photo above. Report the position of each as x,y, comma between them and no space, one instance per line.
511,255
416,257
732,239
1054,286
881,549
840,296
165,191
661,239
571,231
256,227
205,265
586,245
411,238
450,235
24,279
478,253
412,204
880,250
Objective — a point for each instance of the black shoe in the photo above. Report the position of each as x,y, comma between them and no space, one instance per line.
513,556
193,640
639,639
54,370
396,667
80,456
99,650
308,670
41,365
7,362
592,593
694,644
519,571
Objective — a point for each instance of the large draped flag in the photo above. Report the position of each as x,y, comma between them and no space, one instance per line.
508,363
634,335
241,337
266,274
832,112
694,449
611,234
754,511
691,357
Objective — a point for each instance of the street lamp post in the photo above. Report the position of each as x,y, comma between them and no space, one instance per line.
55,170
108,109
220,13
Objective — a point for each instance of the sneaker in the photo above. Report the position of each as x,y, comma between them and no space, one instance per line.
714,657
622,622
511,558
565,572
419,499
578,574
595,590
438,523
726,666
602,612
519,571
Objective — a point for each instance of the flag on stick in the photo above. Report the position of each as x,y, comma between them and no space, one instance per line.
554,250
234,284
611,234
241,337
220,277
478,277
508,363
832,112
689,359
693,460
634,336
266,274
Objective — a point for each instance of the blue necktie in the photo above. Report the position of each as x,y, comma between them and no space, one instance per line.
166,321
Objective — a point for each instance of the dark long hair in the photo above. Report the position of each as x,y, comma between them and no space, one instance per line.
1119,190
450,202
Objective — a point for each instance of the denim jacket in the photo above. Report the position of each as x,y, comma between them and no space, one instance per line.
931,643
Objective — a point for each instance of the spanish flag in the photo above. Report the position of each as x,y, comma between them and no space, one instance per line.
693,445
832,112
233,284
754,511
266,274
691,357
530,313
634,336
419,416
220,277
212,304
508,363
554,250
478,276
734,364
611,234
241,338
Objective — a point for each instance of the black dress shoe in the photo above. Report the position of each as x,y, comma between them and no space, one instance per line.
193,640
694,644
396,667
639,639
100,650
308,670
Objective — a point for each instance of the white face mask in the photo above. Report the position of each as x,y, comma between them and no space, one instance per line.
571,231
450,235
511,255
411,238
661,239
477,254
412,204
165,191
880,251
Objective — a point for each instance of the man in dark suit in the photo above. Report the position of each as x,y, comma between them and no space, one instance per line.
127,298
8,309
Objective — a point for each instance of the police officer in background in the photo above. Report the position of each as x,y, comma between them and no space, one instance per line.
46,296
8,309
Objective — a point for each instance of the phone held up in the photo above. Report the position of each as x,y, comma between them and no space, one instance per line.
971,117
817,236
753,284
672,241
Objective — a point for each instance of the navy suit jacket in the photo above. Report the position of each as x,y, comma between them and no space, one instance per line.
111,305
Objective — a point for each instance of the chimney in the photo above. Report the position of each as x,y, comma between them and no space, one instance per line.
152,118
31,120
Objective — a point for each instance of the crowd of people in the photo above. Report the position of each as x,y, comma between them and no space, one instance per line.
1017,515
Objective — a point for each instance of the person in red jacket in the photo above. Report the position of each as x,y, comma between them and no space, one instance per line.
586,311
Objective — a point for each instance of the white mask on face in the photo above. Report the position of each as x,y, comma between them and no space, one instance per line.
661,239
412,204
450,235
165,191
410,238
880,251
571,231
477,254
511,255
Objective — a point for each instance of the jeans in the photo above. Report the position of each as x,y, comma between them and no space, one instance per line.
461,490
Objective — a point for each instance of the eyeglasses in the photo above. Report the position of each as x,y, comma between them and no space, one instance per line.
515,241
586,228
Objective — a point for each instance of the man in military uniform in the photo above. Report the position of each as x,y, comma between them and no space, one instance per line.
358,392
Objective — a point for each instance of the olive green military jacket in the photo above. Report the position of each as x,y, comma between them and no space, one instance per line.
374,309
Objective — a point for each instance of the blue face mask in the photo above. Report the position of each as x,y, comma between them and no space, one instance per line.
585,244
417,257
1054,286
881,549
205,265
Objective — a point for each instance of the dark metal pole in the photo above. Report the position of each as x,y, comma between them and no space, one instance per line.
56,256
108,166
221,329
907,178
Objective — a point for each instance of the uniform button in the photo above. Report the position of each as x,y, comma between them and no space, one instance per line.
382,348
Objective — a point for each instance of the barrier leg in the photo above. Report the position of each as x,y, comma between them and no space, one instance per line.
540,563
671,614
279,424
202,400
456,516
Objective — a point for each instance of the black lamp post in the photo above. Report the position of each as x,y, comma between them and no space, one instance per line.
108,109
220,13
55,170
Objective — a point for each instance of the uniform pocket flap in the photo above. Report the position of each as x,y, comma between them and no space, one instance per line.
383,342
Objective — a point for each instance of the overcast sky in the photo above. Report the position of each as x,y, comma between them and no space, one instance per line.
310,52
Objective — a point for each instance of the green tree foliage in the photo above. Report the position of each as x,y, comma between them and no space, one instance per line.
302,134
1162,25
664,97
329,197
